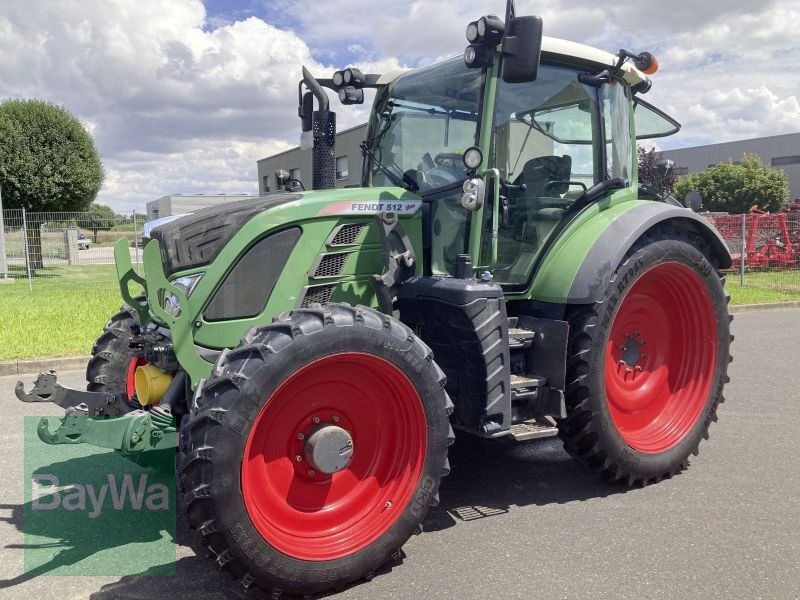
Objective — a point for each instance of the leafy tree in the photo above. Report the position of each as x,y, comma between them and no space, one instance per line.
48,163
732,188
648,171
98,217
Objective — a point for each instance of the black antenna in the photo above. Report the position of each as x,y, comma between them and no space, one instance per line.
511,12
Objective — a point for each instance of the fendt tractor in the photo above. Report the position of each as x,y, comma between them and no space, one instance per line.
499,273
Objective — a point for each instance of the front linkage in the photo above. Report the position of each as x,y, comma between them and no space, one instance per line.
100,419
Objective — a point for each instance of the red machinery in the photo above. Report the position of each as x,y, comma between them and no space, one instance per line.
772,240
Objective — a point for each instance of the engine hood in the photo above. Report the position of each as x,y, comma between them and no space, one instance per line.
195,240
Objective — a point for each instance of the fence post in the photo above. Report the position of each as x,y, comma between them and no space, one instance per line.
135,239
3,262
27,253
744,250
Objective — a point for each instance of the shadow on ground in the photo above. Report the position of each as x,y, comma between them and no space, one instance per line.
67,542
488,478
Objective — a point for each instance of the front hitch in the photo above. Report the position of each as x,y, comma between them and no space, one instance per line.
136,432
47,389
101,419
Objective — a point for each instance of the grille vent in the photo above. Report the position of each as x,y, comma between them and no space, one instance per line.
318,294
331,265
347,234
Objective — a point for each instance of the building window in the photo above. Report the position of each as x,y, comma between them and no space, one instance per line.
341,167
780,161
266,184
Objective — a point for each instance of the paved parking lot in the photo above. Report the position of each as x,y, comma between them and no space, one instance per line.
526,521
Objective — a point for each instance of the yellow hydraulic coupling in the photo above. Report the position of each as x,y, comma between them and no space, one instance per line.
151,384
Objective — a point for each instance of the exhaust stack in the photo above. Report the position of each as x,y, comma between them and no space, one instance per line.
322,124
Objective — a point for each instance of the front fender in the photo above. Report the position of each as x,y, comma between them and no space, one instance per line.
594,247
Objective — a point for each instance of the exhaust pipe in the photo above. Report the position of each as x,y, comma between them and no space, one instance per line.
323,155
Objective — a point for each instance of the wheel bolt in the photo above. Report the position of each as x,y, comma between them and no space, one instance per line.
622,348
315,419
638,368
311,472
335,419
300,436
622,362
388,504
637,334
628,370
298,458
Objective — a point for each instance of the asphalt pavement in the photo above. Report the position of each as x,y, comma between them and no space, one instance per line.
525,521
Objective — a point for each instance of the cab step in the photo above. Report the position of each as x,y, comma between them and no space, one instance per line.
525,386
520,339
532,430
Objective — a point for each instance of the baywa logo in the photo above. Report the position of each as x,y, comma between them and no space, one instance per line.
118,494
89,510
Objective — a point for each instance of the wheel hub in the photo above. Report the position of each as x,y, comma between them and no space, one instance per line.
329,449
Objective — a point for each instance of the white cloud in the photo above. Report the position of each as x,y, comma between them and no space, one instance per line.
180,101
173,107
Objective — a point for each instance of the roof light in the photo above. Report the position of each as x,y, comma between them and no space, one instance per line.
472,32
646,63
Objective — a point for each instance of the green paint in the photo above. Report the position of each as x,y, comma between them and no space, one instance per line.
190,328
560,266
126,275
485,143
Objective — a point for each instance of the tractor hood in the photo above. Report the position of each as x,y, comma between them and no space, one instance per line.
196,239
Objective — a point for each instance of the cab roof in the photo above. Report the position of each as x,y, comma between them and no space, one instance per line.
558,47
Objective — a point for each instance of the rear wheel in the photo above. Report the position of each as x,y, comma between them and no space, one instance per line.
316,449
647,366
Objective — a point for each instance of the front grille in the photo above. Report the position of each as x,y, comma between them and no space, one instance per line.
331,265
318,294
347,234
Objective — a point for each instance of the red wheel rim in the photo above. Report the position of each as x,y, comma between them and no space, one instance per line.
661,357
311,515
130,379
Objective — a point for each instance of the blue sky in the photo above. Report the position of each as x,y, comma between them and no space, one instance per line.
184,96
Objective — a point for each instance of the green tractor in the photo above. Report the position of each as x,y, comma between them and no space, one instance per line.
500,273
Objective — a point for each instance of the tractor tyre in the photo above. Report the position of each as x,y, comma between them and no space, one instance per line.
646,365
315,449
112,369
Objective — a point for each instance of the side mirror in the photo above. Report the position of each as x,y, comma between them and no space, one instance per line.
522,49
694,201
664,167
282,177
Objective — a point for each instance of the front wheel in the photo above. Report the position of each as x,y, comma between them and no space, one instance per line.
316,448
647,365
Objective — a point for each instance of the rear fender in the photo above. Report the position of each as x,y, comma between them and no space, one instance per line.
601,242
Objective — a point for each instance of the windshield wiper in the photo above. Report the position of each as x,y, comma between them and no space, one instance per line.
403,181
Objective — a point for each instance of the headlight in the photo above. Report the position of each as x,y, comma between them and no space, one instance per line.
170,302
472,198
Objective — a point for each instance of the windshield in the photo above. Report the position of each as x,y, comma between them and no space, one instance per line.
421,125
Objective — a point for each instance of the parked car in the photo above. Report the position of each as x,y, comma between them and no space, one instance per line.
83,242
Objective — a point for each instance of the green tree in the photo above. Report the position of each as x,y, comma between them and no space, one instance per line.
48,163
98,217
735,189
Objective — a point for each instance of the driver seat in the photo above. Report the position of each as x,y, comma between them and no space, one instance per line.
538,172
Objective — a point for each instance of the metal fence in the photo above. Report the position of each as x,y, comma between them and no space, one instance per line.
765,249
39,249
